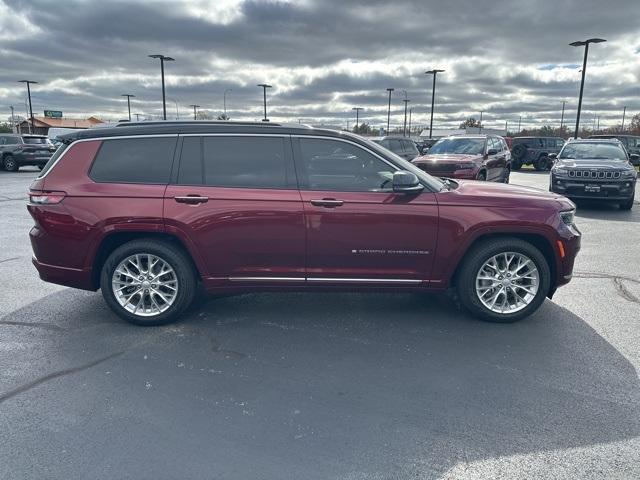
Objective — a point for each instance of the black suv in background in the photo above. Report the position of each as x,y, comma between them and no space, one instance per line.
630,142
18,150
534,151
598,169
401,146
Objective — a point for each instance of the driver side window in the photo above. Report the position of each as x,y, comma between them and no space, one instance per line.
334,165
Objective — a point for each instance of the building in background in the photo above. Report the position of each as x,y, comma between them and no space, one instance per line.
41,125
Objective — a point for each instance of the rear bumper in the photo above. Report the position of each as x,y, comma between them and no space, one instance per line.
69,277
31,159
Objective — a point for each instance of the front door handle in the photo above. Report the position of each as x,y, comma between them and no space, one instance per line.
327,203
191,199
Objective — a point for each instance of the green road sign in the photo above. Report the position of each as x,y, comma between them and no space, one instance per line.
52,114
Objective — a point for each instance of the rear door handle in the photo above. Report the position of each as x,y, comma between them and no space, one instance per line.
191,199
327,203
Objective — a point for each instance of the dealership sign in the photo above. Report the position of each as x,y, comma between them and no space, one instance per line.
52,114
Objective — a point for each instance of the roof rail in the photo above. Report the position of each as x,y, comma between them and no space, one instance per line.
193,122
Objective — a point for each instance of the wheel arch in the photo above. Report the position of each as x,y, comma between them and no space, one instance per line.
115,239
538,240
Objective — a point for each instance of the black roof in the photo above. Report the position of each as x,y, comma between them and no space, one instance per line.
195,127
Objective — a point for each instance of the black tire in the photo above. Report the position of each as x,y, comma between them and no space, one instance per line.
628,205
9,163
516,165
507,175
543,163
175,257
519,152
475,259
482,176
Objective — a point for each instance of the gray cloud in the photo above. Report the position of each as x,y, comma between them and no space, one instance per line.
323,57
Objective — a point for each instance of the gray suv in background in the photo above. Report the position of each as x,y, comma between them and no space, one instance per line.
534,151
18,150
401,146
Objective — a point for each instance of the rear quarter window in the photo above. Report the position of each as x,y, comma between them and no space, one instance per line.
134,160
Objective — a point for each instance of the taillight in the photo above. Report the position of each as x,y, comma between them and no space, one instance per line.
46,198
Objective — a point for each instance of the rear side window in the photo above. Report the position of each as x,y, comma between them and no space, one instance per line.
54,158
134,160
34,140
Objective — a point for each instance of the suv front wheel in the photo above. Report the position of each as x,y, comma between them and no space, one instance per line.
148,282
503,280
10,164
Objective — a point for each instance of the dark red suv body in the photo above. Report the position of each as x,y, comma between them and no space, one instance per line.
471,157
146,212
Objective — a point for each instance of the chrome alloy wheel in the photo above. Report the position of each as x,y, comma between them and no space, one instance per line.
144,284
507,282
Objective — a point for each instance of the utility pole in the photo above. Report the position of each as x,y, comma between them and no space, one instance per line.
30,122
410,121
128,95
562,117
264,93
480,131
195,111
624,111
433,72
357,109
137,116
519,123
13,122
584,71
389,109
404,126
224,100
163,59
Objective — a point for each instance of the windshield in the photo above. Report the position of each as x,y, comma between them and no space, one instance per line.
434,183
591,151
462,146
34,140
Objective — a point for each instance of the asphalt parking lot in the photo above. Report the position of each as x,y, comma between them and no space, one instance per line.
323,386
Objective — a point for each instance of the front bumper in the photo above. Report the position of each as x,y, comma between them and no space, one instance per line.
450,172
614,190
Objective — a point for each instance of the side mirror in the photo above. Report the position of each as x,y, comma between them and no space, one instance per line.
552,156
634,159
492,151
406,182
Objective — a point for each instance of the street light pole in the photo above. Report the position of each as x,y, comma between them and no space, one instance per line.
163,59
519,123
562,117
224,100
410,121
584,71
195,111
404,126
29,82
264,95
433,72
137,116
480,131
624,111
357,109
389,108
128,95
13,122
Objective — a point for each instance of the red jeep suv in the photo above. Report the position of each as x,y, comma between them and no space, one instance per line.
146,213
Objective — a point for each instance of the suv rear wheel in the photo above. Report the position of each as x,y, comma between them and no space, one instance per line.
148,282
543,163
503,280
9,163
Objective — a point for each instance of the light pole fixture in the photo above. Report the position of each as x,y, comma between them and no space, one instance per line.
128,95
389,108
163,59
224,100
584,43
195,111
357,109
433,72
29,82
264,97
562,117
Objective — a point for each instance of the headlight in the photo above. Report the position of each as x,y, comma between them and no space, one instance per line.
560,172
465,166
567,217
628,174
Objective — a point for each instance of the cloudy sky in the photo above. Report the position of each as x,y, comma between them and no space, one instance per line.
323,57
